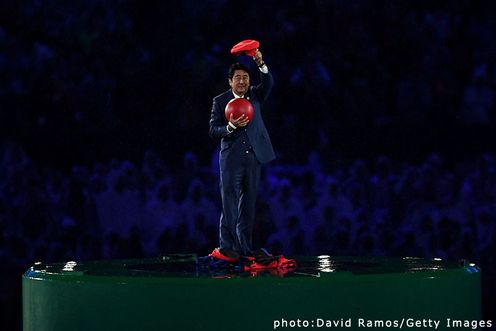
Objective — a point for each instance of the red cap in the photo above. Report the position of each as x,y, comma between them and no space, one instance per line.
248,47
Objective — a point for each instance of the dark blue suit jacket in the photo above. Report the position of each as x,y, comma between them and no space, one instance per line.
255,130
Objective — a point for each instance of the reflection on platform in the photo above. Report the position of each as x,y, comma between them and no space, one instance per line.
189,265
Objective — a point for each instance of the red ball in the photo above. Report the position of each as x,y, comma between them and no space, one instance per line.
238,107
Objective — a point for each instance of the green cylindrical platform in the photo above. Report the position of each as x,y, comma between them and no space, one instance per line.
176,293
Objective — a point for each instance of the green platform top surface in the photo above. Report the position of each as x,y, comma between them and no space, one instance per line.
189,266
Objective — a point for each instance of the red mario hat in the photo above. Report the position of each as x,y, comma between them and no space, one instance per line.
248,47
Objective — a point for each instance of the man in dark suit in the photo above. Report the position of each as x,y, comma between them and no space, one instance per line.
245,145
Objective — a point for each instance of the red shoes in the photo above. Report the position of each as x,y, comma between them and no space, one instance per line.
225,255
261,261
264,260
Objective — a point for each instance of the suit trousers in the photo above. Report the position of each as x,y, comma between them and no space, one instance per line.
239,178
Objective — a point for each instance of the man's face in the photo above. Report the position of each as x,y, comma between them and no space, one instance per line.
240,82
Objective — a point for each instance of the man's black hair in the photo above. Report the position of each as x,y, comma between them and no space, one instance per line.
236,66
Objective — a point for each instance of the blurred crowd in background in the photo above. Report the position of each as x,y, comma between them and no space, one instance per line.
92,78
382,117
121,209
